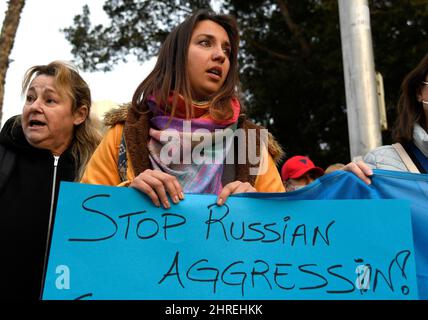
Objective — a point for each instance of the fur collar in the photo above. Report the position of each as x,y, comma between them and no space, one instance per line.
116,115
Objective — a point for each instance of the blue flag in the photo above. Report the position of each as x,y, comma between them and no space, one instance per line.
385,185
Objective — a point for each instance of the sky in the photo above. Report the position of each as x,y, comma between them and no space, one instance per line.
40,41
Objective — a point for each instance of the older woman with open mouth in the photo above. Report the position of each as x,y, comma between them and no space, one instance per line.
51,141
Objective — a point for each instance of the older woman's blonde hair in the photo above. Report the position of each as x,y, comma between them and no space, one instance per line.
69,83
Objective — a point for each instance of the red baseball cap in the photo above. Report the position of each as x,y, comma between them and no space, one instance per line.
297,166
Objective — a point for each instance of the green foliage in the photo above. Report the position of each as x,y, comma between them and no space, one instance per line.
293,68
136,28
290,60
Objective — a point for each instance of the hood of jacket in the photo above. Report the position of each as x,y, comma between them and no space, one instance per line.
116,115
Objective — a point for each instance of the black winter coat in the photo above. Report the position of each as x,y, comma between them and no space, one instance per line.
25,202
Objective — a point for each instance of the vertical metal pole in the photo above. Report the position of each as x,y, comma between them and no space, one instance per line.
360,80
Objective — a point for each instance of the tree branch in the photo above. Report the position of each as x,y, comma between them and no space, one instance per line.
294,28
269,51
7,38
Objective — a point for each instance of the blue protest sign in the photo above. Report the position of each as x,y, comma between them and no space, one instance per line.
112,243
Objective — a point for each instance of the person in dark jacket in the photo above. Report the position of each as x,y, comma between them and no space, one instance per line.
51,141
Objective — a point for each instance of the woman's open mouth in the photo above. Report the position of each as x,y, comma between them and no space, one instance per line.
36,124
215,73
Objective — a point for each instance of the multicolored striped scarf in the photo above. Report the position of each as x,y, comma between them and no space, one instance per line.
198,165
